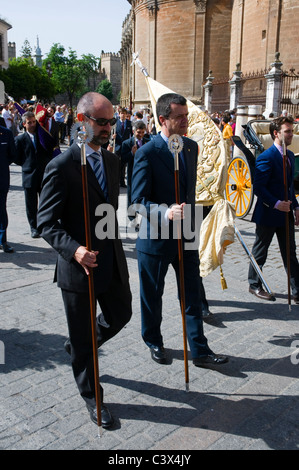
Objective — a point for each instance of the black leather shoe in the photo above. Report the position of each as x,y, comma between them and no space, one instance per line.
296,299
67,346
6,248
210,360
106,417
35,233
262,294
158,354
206,313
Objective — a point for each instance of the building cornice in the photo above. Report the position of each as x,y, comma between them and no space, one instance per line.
8,26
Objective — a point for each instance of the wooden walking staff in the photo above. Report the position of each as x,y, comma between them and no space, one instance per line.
175,145
286,198
83,133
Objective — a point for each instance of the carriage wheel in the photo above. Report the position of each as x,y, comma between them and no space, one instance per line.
238,189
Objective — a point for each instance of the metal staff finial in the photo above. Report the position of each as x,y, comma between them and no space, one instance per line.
82,133
175,145
137,61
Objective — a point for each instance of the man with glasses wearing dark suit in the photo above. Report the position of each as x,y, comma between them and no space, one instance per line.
60,220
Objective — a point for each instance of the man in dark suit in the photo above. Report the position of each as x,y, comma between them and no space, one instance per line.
51,125
33,157
61,222
8,155
271,207
128,150
123,132
153,192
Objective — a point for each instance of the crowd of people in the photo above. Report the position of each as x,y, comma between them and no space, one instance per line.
126,150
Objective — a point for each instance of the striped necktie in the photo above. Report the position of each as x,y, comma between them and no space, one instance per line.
99,172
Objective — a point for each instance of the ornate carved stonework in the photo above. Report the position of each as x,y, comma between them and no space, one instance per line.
152,6
201,6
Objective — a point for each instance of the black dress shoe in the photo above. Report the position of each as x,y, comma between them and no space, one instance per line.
106,417
67,346
6,248
158,354
210,360
296,299
35,233
262,294
206,313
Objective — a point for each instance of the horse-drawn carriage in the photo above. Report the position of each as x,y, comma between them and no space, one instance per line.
239,186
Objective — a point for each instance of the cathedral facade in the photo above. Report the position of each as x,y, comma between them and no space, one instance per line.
180,41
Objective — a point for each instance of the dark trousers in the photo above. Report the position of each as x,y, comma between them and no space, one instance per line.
123,166
152,272
3,217
31,201
264,236
116,309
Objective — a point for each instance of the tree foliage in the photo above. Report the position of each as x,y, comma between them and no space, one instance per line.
105,88
22,79
60,73
26,50
69,73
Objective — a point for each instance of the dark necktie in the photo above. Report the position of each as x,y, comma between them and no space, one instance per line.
122,127
99,172
182,168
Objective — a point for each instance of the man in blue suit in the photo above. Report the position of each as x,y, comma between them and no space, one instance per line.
128,150
153,192
8,155
271,207
123,132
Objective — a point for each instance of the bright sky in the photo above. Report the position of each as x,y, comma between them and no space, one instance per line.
87,27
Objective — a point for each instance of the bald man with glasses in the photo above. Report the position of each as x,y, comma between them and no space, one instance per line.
60,221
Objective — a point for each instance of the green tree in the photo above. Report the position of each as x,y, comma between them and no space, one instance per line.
69,73
26,51
22,78
105,88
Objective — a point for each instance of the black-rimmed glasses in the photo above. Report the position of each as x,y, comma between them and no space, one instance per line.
102,121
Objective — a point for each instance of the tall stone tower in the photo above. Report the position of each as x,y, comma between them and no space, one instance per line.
38,55
179,41
111,69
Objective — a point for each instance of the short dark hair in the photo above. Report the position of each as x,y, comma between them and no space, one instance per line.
27,115
139,115
226,119
276,124
164,103
139,125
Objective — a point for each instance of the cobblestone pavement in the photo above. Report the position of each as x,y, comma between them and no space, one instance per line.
251,403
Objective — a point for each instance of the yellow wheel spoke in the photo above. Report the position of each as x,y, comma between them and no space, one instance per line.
239,186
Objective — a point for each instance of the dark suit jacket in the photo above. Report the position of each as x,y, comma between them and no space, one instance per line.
120,138
8,155
128,157
55,132
61,219
268,186
153,187
33,160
